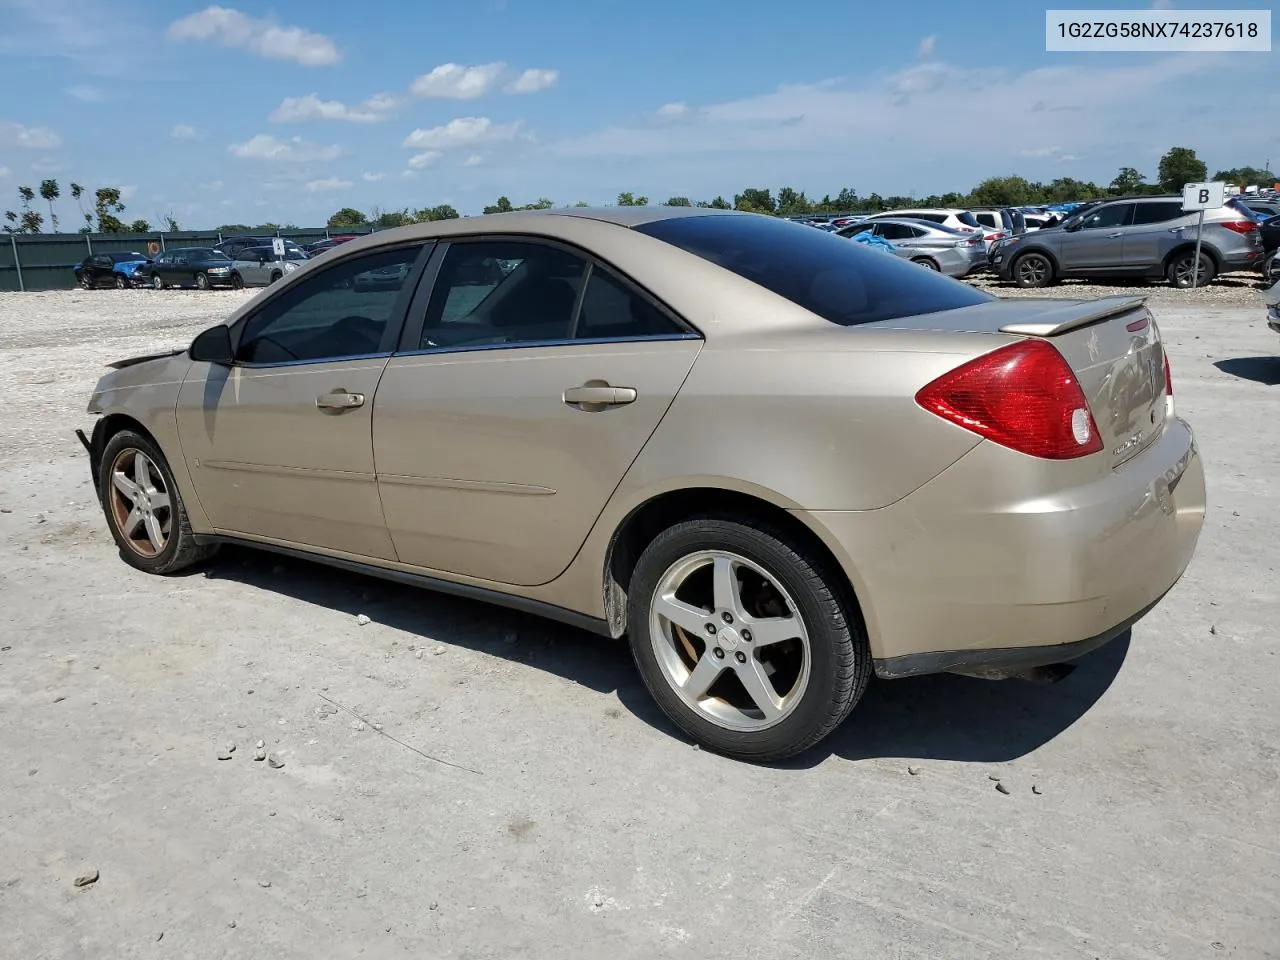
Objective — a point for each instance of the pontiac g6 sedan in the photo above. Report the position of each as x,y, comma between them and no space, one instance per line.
775,461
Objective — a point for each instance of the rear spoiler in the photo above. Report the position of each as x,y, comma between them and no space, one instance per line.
1074,315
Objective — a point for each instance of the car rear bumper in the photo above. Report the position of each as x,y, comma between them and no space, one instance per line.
983,567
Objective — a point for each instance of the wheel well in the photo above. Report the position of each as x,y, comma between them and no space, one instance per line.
1040,250
647,521
105,429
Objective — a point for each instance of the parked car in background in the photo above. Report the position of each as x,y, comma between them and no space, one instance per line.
320,246
1008,221
928,244
199,267
1272,299
258,266
1263,208
1131,237
956,219
116,268
987,485
231,246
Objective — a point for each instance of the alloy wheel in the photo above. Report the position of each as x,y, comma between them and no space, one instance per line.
729,640
1033,270
140,504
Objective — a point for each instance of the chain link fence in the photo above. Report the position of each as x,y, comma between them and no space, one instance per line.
47,261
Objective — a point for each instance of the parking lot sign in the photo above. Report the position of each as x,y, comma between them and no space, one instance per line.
277,247
1204,196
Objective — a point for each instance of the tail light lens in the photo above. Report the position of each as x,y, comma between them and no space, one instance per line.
1168,388
972,240
996,236
1023,396
1240,226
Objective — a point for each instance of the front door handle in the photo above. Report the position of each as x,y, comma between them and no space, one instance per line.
340,400
1112,236
599,395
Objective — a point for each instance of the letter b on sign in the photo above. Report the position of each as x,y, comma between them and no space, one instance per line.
1204,196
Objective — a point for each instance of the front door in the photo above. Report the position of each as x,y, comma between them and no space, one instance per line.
507,424
279,444
1099,243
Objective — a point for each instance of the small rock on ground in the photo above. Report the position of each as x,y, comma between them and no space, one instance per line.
914,771
1002,789
441,648
1035,788
363,620
260,754
274,762
224,754
87,876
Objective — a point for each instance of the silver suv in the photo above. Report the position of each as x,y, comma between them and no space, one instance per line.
1134,237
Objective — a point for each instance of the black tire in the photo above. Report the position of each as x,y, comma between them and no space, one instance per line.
202,281
156,282
237,282
840,659
1032,270
1178,270
928,263
180,550
121,282
1271,269
86,282
275,275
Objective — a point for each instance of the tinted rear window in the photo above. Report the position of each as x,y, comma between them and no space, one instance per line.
819,271
968,219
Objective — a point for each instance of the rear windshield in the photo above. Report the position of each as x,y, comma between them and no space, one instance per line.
968,219
824,273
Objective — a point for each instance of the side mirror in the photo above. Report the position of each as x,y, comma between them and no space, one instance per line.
213,346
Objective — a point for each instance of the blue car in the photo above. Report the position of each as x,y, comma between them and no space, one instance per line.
116,269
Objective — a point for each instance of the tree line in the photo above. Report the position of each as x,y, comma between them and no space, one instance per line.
103,216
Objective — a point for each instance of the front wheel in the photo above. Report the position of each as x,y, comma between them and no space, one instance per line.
1271,269
1181,270
745,640
143,507
202,281
121,282
275,275
156,282
237,282
1033,270
85,282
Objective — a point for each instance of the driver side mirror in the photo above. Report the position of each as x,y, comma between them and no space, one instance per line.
213,346
1073,227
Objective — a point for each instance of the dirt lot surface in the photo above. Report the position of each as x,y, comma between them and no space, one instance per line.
1141,818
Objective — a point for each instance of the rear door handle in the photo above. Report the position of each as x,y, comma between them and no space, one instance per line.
1112,236
340,400
594,395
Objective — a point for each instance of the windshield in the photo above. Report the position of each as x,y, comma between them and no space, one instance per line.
822,272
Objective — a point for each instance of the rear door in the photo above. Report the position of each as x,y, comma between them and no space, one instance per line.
1099,243
526,386
1153,233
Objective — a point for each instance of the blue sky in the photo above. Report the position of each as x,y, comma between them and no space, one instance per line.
252,112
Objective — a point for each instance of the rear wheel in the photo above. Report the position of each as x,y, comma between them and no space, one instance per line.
121,282
1181,269
1271,269
86,282
143,507
1033,270
202,281
748,644
156,282
927,262
237,282
275,275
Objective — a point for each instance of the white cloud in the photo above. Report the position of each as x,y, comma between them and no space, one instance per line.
211,185
231,28
1040,151
372,110
295,150
184,131
672,110
327,185
452,81
4,172
372,177
533,80
927,45
461,132
86,93
128,190
1068,157
29,138
424,160
473,161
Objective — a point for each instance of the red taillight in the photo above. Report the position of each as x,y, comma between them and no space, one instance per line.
1168,378
996,236
1239,226
972,240
1023,396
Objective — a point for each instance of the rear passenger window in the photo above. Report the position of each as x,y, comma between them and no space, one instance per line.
502,292
1156,212
611,310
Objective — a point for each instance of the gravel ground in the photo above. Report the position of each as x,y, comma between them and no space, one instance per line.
1232,289
1137,813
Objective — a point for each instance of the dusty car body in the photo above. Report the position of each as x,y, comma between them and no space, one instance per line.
773,460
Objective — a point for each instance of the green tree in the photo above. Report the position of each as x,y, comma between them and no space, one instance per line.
387,219
170,223
755,200
28,220
347,217
77,193
629,199
12,225
1009,191
50,191
582,203
1180,166
1128,182
106,205
793,203
431,214
677,202
542,203
1247,176
140,226
503,205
